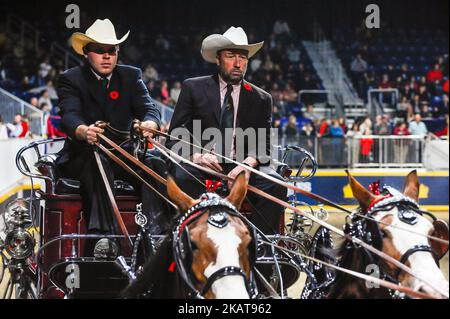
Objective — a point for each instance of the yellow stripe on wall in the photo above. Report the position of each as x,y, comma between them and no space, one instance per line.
15,190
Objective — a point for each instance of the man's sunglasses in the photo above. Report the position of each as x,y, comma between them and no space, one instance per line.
102,50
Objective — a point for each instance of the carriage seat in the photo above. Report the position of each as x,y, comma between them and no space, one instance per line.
67,186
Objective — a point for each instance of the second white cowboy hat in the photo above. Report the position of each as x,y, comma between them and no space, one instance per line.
233,38
101,31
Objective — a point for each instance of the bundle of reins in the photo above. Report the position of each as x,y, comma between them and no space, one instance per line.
177,159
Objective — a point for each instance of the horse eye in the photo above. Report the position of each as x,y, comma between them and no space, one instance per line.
384,233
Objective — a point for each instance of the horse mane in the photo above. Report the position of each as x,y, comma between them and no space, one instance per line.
158,284
355,258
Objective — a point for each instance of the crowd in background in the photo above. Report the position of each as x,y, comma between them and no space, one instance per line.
282,68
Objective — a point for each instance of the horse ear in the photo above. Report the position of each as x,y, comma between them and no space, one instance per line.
364,197
412,185
238,191
440,231
180,198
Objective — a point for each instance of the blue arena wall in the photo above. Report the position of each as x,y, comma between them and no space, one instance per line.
333,185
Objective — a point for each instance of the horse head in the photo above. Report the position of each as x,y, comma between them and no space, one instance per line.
403,230
215,243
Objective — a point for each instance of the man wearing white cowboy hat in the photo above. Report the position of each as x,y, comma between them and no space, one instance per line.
101,90
226,101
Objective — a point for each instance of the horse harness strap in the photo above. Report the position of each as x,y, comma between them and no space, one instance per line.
219,220
393,197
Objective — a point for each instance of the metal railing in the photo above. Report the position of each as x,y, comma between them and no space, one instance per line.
381,97
366,150
313,92
11,105
386,151
64,54
166,111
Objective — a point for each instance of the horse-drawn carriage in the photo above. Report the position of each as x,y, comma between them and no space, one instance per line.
214,251
44,236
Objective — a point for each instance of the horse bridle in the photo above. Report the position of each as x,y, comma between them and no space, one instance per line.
182,246
408,211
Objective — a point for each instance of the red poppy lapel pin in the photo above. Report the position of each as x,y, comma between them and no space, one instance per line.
247,86
114,95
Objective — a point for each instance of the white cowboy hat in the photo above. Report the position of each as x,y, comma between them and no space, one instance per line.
101,31
233,38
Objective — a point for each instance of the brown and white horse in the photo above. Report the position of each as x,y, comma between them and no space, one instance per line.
211,246
398,227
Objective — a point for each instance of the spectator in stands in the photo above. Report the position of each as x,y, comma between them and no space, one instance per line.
268,64
324,128
19,128
3,130
404,72
424,95
51,90
366,144
290,130
281,27
276,113
435,74
255,64
343,124
308,130
44,70
385,82
308,134
359,68
54,125
337,134
162,43
309,113
445,86
401,129
366,125
289,94
34,101
404,108
277,94
417,127
401,146
150,74
416,104
444,109
152,90
45,99
380,127
293,53
164,92
353,143
175,92
425,111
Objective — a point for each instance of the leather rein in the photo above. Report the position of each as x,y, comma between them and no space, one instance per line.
254,190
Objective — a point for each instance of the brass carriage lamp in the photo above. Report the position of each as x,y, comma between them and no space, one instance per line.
17,241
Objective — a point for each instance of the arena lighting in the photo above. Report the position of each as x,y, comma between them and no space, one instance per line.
15,220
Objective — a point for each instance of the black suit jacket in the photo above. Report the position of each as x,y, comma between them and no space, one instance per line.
83,101
200,100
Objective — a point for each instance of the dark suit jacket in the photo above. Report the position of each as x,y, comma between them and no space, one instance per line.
200,100
83,101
